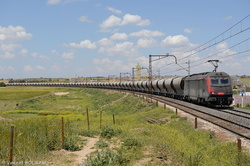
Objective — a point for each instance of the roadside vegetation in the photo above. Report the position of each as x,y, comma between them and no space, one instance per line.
2,84
36,114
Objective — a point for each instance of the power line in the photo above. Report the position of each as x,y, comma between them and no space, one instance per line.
202,48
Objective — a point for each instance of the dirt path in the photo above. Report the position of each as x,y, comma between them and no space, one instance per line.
61,93
2,118
87,149
113,102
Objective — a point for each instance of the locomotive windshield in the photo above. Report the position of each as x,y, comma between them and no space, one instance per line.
219,81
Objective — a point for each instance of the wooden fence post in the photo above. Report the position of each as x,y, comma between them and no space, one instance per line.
113,119
239,144
62,133
100,119
87,111
195,123
11,144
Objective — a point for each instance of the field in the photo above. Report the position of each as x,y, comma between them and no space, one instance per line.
123,137
246,80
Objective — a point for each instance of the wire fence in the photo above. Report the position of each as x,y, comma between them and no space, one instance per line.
28,141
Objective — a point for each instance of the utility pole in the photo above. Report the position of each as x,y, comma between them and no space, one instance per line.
188,67
150,90
124,74
110,77
133,74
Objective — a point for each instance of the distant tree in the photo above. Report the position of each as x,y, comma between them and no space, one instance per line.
2,84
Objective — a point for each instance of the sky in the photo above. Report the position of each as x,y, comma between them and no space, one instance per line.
89,38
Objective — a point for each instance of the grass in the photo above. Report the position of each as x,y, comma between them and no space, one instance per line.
245,80
37,120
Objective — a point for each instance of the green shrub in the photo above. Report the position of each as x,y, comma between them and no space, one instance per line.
107,132
2,84
102,144
72,143
105,158
130,142
88,133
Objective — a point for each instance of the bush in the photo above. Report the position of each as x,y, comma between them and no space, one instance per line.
107,132
101,144
2,84
72,144
105,158
130,142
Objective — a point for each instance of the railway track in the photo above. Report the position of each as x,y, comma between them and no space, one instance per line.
237,112
234,120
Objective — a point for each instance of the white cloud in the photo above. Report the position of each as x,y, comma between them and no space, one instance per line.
84,19
56,68
34,54
175,41
114,10
40,67
9,37
83,44
228,17
2,37
120,49
186,30
146,43
9,69
146,33
23,52
7,55
224,51
44,57
119,36
13,34
222,46
54,2
128,19
101,61
68,55
107,65
8,47
28,68
54,52
178,43
105,42
111,22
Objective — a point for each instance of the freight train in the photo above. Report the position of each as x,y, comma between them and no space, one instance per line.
213,89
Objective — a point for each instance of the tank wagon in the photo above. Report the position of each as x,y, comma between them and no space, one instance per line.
210,88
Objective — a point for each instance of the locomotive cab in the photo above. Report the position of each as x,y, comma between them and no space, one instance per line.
219,89
211,88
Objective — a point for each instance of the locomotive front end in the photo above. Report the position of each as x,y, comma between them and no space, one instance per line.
219,88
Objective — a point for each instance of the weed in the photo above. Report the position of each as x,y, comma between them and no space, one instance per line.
174,116
102,144
72,143
105,158
107,132
88,133
131,142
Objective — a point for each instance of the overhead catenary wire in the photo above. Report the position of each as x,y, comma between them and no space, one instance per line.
193,66
207,45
